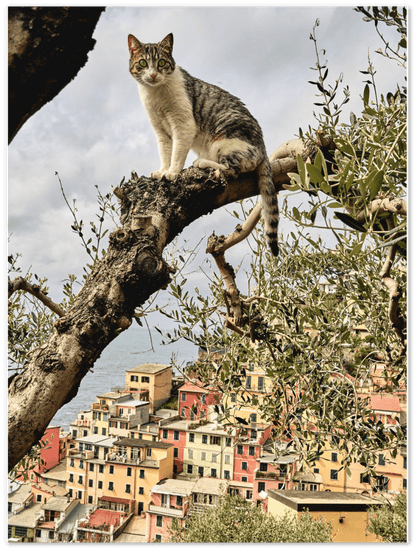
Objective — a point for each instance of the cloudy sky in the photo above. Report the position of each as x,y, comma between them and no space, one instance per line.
95,132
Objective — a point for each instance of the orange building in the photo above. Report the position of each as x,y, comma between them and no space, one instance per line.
152,381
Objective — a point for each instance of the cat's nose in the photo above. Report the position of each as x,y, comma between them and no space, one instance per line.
153,75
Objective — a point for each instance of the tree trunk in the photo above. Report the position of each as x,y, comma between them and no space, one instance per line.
47,48
153,213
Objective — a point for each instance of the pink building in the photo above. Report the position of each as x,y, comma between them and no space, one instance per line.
247,450
170,499
272,473
195,400
386,408
175,433
49,454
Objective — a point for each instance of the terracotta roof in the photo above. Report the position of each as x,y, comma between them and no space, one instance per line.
101,517
385,403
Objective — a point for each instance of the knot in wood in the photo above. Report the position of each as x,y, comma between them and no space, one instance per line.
120,237
149,264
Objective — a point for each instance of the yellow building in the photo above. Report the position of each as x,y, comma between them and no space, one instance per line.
348,513
133,467
152,380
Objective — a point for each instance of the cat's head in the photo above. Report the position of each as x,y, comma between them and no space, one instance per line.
151,64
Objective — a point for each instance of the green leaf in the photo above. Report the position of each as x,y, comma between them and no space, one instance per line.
376,183
301,169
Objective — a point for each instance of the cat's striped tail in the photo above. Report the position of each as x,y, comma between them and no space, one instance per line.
270,207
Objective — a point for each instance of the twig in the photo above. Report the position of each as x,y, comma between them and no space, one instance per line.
21,284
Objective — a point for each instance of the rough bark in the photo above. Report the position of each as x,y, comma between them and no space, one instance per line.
153,213
47,48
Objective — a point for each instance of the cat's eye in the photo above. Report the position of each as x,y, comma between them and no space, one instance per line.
143,63
162,63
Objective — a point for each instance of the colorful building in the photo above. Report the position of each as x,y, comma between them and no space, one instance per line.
152,380
349,513
195,401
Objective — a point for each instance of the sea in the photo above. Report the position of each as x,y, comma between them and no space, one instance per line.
131,348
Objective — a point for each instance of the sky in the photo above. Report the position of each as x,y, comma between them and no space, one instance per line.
95,132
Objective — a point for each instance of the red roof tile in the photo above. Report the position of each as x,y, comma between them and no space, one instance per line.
108,517
385,403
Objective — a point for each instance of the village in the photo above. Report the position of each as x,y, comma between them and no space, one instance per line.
156,451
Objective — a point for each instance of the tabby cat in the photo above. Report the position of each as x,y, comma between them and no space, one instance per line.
187,113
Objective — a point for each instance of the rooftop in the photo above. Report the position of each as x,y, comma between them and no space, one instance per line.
385,403
128,442
209,486
96,439
21,494
58,504
101,517
149,368
132,403
174,487
28,517
322,500
57,473
80,511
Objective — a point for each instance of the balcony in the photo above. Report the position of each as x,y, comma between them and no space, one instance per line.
99,407
170,511
272,475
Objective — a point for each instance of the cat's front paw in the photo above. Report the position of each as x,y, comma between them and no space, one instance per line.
171,175
158,174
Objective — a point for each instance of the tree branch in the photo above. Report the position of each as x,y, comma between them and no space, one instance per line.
392,205
153,213
20,283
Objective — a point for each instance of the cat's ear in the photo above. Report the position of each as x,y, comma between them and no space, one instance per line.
167,42
134,44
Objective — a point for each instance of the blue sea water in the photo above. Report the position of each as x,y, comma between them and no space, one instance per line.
132,348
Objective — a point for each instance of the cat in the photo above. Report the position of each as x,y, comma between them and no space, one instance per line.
187,113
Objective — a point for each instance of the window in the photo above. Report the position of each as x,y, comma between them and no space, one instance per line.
80,480
192,415
248,382
204,438
111,469
251,451
260,383
244,465
51,534
382,483
313,487
213,472
253,417
141,490
176,435
74,433
263,466
334,474
141,474
72,462
134,378
190,453
128,488
71,478
191,438
179,501
38,533
381,460
227,459
158,538
203,455
233,398
201,413
201,471
95,429
90,500
249,495
149,452
226,474
261,486
91,467
81,464
183,396
203,399
165,434
175,452
145,379
364,478
110,486
100,484
244,479
70,493
404,483
239,449
190,468
101,468
104,431
183,413
334,457
228,441
405,462
38,498
214,440
316,470
129,470
90,483
253,434
159,521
